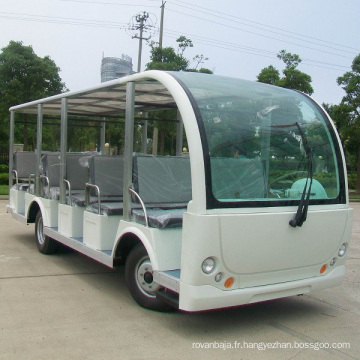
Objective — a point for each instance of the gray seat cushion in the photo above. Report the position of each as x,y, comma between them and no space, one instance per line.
107,208
161,218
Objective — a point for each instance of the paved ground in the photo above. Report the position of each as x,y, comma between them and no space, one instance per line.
69,307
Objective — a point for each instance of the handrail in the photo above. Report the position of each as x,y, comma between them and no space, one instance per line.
31,177
68,186
87,195
16,179
142,204
47,184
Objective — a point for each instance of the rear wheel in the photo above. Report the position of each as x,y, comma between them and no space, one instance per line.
45,244
139,278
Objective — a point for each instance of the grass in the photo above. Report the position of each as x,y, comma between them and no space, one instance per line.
4,189
354,196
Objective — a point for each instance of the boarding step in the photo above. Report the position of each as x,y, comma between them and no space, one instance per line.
102,256
17,216
169,297
169,279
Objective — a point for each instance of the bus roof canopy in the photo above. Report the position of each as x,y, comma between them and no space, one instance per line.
107,99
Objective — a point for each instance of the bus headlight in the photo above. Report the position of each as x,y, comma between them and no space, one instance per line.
342,250
208,265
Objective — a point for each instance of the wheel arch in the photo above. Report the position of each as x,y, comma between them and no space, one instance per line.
32,211
127,241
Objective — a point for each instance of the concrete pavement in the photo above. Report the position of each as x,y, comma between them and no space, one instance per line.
66,306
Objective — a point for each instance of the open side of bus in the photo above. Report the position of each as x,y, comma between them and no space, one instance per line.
256,209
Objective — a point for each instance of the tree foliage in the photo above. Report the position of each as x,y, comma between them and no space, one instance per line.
347,115
165,59
24,77
171,59
269,75
292,79
291,60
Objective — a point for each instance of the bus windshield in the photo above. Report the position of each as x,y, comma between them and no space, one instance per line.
256,139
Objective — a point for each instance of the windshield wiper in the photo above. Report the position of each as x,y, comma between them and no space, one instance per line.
301,214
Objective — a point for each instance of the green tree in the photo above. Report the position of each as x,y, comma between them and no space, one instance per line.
292,79
24,77
165,59
183,44
171,59
269,75
347,115
291,60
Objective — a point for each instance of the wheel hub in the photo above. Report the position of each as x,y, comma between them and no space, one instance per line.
145,279
40,231
148,277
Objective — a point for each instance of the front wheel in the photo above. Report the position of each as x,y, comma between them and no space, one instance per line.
139,278
45,244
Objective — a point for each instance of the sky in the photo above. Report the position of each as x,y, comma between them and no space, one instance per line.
239,37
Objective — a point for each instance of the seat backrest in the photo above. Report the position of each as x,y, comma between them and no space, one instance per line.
237,178
24,163
76,173
107,172
50,163
162,179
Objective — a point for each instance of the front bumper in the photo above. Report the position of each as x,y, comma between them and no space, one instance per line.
206,297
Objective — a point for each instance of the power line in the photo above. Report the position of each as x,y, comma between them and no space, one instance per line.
62,20
229,17
252,51
253,33
141,22
108,3
216,13
202,40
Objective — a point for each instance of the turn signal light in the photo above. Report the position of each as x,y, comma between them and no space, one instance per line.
323,269
229,282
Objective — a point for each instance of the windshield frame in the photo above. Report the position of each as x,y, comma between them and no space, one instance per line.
213,203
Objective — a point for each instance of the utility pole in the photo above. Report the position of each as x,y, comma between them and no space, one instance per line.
141,19
161,23
144,23
156,130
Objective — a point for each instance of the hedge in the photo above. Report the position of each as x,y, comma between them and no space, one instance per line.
4,168
352,180
4,179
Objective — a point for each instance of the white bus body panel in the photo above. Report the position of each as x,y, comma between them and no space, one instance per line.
277,246
48,207
17,201
272,255
162,245
71,220
100,230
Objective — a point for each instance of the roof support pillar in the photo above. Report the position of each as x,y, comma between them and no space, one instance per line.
144,128
102,137
179,134
11,148
38,148
63,148
129,148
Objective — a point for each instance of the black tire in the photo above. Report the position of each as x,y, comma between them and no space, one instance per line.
45,244
138,275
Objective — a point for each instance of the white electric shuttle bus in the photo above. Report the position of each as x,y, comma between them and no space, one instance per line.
255,207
